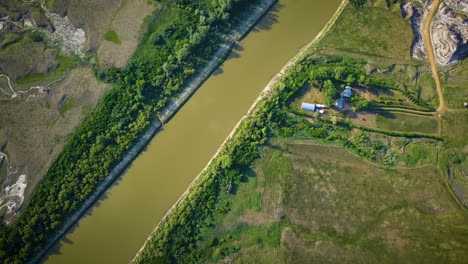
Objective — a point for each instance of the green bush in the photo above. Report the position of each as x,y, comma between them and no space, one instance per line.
359,102
358,3
112,36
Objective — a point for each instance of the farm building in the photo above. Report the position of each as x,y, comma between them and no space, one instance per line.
308,107
348,92
340,103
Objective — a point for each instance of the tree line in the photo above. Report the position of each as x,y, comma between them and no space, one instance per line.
184,237
154,75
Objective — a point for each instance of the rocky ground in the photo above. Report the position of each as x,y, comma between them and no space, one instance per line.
449,29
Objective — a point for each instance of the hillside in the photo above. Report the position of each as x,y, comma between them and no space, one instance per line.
47,53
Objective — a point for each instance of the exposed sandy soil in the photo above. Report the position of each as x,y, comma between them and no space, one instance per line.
430,52
450,31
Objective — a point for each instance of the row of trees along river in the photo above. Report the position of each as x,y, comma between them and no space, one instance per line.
114,229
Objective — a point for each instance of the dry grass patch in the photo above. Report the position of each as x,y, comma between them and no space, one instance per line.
128,26
337,208
34,129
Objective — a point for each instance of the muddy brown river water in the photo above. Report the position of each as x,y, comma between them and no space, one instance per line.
115,228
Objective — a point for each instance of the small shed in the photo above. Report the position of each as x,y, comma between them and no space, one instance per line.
348,92
308,107
340,103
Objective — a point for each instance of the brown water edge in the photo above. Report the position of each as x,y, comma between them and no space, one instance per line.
113,230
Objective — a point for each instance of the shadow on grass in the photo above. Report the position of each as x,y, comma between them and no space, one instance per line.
386,114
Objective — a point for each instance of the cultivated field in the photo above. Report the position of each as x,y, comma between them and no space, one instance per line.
406,122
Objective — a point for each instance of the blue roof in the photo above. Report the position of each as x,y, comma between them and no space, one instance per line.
308,107
340,103
348,92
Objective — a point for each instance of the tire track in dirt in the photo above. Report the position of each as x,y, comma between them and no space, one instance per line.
426,34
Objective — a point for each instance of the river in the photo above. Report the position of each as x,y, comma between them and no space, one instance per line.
114,229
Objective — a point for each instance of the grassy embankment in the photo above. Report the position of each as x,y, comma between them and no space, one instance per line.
302,201
173,53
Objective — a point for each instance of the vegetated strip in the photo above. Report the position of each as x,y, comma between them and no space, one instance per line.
369,129
143,141
384,109
169,111
167,57
225,48
239,149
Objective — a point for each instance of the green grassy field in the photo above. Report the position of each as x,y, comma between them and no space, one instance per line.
112,36
456,85
371,31
454,127
322,204
406,122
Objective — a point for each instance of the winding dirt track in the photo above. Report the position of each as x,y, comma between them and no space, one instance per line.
426,34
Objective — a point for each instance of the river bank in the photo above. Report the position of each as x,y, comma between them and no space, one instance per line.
117,171
222,53
264,95
114,230
157,123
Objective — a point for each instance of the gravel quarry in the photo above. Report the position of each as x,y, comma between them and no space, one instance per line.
12,191
449,30
70,38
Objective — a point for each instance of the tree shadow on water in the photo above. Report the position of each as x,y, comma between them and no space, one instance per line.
55,249
270,18
266,23
234,54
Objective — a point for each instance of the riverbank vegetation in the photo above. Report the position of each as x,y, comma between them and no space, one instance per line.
173,54
195,231
281,191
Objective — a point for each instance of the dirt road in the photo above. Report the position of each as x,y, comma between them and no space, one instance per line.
426,34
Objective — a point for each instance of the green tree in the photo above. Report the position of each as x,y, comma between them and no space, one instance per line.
359,103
